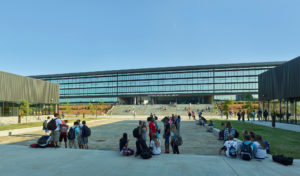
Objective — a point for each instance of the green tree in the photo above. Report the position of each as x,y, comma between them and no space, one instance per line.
92,108
101,102
25,108
68,108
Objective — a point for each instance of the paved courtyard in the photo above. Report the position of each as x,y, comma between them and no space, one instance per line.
21,160
107,132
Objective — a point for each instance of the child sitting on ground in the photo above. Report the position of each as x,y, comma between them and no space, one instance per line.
230,147
124,146
155,145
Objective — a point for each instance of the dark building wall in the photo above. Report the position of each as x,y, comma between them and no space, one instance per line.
15,88
281,82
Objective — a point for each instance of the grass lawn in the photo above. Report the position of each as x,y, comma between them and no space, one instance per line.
281,141
37,124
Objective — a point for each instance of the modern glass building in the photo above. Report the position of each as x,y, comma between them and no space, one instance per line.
188,84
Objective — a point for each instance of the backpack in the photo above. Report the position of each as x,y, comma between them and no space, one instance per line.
44,124
87,131
221,135
146,153
178,140
135,132
267,146
43,141
246,151
283,160
52,124
71,134
64,129
232,151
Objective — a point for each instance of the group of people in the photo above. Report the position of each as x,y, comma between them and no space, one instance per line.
171,135
253,146
77,135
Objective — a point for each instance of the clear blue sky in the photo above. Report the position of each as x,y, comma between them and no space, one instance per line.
47,37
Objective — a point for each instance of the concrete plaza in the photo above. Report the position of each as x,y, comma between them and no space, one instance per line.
21,160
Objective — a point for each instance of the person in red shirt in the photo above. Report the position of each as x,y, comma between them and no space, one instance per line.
152,129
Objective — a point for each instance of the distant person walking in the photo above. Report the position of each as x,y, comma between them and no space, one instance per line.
243,116
134,115
253,115
239,115
266,114
189,114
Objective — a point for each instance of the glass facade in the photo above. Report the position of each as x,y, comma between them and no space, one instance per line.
218,81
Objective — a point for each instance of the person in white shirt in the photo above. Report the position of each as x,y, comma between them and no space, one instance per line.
155,145
230,143
261,151
56,133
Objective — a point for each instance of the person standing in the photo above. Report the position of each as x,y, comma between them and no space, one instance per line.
73,137
243,116
45,125
167,135
173,138
239,115
193,115
253,115
85,133
152,129
144,131
134,115
56,133
178,123
63,133
63,115
189,114
266,115
79,135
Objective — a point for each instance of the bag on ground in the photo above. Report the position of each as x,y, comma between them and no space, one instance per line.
52,124
71,134
246,151
283,160
44,141
146,153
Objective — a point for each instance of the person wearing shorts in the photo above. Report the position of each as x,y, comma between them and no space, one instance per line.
56,133
63,133
83,138
74,142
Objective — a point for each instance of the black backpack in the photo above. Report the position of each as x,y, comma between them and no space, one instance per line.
71,134
135,132
43,141
146,153
52,124
283,160
246,151
87,131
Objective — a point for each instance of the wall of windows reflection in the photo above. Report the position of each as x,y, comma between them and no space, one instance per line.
219,82
285,111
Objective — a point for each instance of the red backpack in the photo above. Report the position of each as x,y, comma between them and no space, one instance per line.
64,129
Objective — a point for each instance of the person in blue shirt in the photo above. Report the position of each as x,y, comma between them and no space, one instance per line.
74,142
247,141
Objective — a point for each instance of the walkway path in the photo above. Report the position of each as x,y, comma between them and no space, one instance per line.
285,126
48,162
107,132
